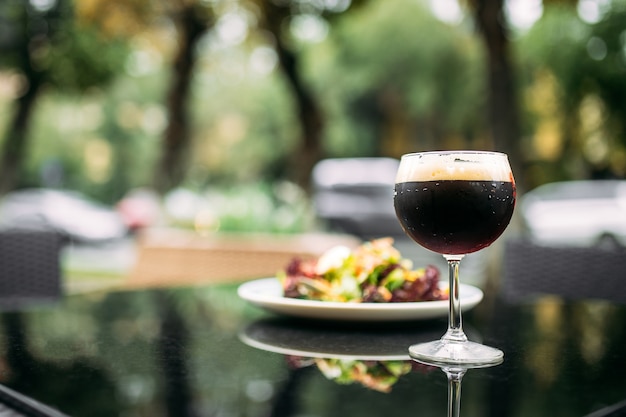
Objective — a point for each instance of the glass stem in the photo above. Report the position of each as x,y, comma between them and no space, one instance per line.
455,325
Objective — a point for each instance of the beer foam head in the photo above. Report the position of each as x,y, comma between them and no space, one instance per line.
454,165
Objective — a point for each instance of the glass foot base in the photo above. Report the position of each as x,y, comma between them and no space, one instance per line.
458,354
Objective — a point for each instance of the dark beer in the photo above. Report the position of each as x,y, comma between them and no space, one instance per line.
453,216
454,203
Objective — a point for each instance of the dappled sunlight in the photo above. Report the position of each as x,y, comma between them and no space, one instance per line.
309,28
591,321
547,140
12,85
594,320
98,158
142,62
113,18
548,321
596,47
263,61
151,50
150,119
541,97
592,11
256,207
218,95
596,143
206,222
232,28
523,13
179,149
448,11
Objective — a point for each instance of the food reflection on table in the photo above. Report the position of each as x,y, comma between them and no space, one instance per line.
376,375
373,356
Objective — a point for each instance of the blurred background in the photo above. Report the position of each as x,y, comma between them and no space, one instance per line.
173,140
210,115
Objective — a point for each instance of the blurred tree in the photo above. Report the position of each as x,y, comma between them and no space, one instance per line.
192,21
581,65
276,18
75,49
503,106
387,99
47,48
129,21
606,62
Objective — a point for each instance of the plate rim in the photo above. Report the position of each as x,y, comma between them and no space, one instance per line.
268,347
249,291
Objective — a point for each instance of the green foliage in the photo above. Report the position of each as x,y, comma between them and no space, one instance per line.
400,53
279,207
69,55
587,62
608,70
557,41
83,58
123,121
244,126
385,66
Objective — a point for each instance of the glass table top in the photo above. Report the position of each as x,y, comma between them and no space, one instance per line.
203,351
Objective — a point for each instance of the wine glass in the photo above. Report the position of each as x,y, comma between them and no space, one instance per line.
454,203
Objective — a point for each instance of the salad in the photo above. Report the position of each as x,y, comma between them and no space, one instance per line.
376,375
374,272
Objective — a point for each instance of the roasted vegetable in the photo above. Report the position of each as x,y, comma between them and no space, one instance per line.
373,272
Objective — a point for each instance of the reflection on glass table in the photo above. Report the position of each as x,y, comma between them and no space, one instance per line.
373,357
455,376
178,352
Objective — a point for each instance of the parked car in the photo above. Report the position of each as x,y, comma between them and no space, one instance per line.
576,213
355,196
72,215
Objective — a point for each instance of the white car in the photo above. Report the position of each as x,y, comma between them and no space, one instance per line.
355,195
71,214
576,213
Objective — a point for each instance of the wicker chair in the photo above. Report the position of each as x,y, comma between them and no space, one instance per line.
29,267
574,273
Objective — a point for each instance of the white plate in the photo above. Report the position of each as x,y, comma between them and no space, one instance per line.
308,353
345,341
268,294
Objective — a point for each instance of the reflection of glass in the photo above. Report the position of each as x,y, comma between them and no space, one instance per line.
454,390
376,358
454,203
455,375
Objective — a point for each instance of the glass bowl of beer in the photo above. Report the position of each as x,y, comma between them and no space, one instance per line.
454,203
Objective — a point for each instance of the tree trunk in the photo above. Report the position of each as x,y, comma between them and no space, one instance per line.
172,167
15,142
502,107
309,113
